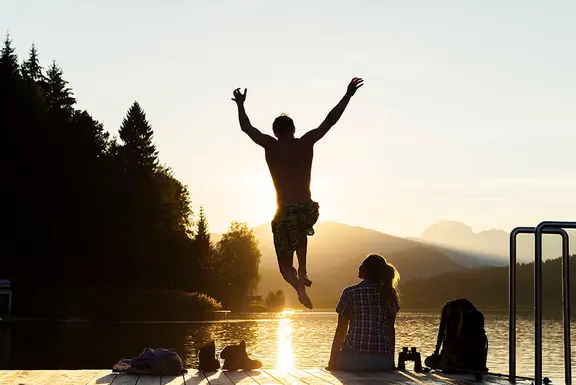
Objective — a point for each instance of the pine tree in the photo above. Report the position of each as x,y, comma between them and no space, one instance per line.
31,69
174,204
59,96
8,59
138,151
203,234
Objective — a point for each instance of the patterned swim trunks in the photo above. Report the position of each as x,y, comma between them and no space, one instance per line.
290,223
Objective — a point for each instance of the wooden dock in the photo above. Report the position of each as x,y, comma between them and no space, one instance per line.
314,376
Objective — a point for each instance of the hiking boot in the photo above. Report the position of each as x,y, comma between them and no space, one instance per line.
236,358
207,361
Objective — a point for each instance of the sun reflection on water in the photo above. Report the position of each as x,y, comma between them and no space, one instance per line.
285,359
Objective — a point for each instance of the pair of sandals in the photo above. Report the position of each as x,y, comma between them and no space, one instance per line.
234,356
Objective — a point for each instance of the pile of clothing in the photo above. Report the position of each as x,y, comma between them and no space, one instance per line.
155,362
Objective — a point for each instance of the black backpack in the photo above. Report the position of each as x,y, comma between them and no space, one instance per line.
462,339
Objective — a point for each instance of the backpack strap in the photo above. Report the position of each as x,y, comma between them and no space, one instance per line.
460,322
442,328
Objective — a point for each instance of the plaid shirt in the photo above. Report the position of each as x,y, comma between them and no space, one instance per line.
368,329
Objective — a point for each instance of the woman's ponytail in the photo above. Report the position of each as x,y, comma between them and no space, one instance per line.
385,275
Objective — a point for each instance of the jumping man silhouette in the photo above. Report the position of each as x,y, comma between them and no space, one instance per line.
289,160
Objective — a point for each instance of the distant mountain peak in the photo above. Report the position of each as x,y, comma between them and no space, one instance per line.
447,225
494,242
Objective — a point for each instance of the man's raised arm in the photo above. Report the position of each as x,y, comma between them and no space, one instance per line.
254,134
334,115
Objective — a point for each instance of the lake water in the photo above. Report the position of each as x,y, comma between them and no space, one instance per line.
291,338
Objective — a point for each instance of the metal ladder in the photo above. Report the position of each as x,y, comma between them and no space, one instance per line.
548,227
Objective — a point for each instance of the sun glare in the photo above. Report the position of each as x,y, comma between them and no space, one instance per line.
286,312
261,197
285,360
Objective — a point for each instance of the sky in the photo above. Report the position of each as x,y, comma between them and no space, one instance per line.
467,112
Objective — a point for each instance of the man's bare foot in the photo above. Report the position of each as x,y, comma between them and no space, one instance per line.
304,278
303,297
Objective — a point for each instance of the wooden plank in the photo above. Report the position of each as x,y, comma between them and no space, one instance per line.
71,377
217,378
453,381
340,377
42,377
422,378
125,379
307,377
469,378
386,377
148,379
172,380
104,377
240,378
195,378
357,378
5,372
347,376
324,375
28,377
14,375
263,378
284,377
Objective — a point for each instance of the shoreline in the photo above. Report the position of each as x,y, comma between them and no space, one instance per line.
222,316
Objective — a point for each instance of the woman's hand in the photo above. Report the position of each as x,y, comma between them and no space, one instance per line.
339,337
331,364
332,360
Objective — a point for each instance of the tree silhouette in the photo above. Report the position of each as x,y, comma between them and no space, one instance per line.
138,152
59,96
203,233
31,69
487,287
176,212
238,261
275,300
94,220
8,59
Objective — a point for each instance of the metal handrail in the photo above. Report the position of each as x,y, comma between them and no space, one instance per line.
512,289
540,230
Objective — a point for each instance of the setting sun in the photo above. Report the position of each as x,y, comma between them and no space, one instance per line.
261,198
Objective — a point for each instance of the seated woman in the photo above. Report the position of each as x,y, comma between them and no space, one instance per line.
365,335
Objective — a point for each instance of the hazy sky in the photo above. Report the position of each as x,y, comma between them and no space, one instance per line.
467,113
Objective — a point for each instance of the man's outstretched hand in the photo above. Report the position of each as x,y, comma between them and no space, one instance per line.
354,85
239,97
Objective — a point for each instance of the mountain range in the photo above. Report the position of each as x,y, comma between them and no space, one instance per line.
336,251
494,242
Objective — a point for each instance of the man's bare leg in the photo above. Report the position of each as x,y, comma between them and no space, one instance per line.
289,273
301,253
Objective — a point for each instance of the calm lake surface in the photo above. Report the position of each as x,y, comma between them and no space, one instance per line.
291,338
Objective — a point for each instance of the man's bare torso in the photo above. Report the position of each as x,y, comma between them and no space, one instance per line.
290,165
